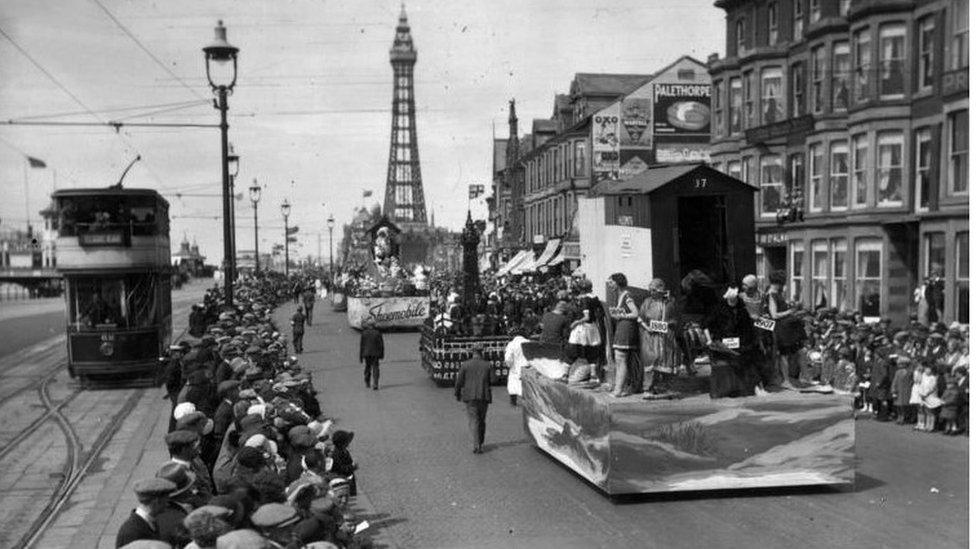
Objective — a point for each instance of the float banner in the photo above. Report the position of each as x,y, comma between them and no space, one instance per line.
388,312
682,109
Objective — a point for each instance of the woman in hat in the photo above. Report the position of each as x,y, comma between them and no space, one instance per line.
658,346
789,332
585,339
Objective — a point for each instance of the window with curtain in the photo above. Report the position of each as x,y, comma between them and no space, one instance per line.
718,122
862,69
735,105
926,52
867,277
772,23
799,106
923,167
770,184
818,72
796,271
796,171
841,70
814,11
579,159
838,274
959,24
750,95
797,19
860,146
820,275
839,170
890,168
816,192
962,277
959,151
740,37
892,63
773,105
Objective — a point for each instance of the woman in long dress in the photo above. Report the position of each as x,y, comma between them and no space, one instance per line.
658,349
625,315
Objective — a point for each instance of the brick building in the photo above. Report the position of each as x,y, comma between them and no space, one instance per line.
852,118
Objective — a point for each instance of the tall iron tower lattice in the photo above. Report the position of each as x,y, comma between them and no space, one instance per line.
404,202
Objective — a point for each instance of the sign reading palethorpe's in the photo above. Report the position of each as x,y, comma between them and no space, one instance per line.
682,109
388,312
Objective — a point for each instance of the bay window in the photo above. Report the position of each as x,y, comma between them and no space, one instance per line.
892,63
770,184
772,95
862,69
841,67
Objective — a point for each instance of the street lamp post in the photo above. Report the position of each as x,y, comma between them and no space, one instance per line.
233,165
217,54
285,210
255,198
331,224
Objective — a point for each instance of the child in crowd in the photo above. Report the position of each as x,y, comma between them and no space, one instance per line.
915,399
342,462
845,377
901,389
950,406
928,391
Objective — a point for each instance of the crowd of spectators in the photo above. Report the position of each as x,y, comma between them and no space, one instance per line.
253,461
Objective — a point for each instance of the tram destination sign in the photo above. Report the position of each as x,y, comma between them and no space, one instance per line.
114,238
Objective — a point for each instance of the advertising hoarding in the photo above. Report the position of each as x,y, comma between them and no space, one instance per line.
606,143
682,110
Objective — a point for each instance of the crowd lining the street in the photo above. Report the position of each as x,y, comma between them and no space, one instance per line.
254,461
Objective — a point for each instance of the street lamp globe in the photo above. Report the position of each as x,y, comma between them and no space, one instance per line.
285,208
223,57
255,192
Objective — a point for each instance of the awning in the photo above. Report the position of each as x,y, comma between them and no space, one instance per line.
547,254
526,264
512,262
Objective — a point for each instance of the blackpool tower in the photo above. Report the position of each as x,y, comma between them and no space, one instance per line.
404,200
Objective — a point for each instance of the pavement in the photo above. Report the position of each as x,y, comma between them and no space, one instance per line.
420,485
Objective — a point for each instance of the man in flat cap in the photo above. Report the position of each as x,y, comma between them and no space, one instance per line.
153,497
184,449
275,521
472,386
298,329
371,352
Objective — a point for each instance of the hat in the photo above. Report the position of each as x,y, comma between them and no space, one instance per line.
253,373
183,409
241,539
903,359
320,429
181,437
657,285
179,475
730,293
258,409
229,502
207,521
227,386
301,436
342,438
249,457
194,421
275,515
147,544
339,487
297,488
154,487
936,335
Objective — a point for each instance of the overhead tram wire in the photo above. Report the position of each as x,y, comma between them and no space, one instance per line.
183,104
74,97
143,47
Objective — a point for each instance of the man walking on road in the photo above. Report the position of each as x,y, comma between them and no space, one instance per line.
298,329
308,298
473,387
371,352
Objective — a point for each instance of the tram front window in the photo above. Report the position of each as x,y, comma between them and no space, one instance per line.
85,214
113,302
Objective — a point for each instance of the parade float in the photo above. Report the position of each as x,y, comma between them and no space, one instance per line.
446,340
381,290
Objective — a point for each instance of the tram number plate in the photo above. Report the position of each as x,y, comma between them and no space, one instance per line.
658,326
767,324
731,342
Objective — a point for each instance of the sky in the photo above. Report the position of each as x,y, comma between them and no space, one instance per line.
310,113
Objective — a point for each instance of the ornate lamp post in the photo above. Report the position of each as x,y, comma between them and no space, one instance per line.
285,210
221,61
255,192
331,224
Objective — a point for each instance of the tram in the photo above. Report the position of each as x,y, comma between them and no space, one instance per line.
113,253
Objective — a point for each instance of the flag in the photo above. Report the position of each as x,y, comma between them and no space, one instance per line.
367,194
474,191
36,162
292,230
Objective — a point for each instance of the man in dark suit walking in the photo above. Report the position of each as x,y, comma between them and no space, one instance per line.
473,387
371,352
153,496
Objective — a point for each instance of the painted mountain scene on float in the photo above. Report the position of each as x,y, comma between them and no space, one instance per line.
628,445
